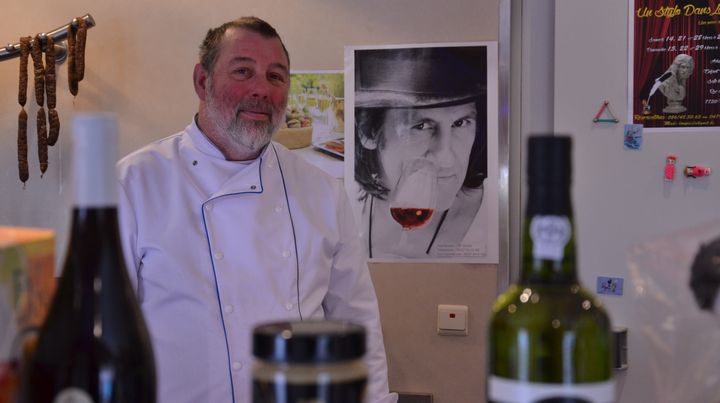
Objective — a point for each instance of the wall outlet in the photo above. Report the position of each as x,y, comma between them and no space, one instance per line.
610,285
452,320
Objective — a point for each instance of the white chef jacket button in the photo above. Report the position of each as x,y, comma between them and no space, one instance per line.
271,165
228,308
236,365
286,253
289,306
218,255
278,209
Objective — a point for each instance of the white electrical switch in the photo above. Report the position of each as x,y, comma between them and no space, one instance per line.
452,320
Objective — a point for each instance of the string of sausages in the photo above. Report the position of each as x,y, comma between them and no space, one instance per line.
48,125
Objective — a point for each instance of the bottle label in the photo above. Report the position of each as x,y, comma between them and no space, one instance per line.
503,390
550,234
352,391
73,395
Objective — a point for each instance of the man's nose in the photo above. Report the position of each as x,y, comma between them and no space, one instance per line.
441,149
259,87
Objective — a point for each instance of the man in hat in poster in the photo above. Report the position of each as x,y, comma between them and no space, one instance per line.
420,147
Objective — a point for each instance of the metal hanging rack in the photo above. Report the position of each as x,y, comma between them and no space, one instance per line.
58,34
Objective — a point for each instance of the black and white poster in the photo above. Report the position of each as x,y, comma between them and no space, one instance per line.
421,166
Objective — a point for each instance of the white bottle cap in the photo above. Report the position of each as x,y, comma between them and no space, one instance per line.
94,158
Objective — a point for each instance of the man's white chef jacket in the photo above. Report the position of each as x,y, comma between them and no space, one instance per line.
215,247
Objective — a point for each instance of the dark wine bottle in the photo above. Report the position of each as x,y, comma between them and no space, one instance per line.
94,346
549,338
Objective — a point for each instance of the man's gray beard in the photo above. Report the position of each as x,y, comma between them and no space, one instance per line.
251,134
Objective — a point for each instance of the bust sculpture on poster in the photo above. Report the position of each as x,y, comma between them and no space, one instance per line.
674,86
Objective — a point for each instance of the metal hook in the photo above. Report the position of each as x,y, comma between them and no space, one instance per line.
59,34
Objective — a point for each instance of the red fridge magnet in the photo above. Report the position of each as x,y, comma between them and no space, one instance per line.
696,171
670,161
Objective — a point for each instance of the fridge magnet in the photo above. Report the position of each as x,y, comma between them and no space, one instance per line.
633,136
610,285
670,161
605,115
696,171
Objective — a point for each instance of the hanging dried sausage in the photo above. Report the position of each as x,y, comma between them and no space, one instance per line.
22,146
24,53
42,140
50,81
71,66
36,53
50,92
54,123
80,48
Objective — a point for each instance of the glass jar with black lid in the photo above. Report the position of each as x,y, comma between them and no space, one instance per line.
309,361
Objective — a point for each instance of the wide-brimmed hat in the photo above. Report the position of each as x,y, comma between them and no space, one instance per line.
419,77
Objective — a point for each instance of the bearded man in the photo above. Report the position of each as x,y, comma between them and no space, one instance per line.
223,229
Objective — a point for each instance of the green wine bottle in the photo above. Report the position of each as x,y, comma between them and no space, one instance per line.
549,338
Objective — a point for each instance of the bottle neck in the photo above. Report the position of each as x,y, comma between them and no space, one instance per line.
549,236
94,238
94,177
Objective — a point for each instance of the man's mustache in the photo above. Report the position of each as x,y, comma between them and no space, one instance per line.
255,105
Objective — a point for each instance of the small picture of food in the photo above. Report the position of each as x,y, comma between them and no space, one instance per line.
317,96
336,145
296,117
334,148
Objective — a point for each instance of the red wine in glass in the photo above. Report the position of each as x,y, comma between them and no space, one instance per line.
411,218
413,199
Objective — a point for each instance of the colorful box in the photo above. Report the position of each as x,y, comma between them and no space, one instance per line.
27,285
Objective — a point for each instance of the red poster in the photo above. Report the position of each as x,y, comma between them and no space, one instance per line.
675,63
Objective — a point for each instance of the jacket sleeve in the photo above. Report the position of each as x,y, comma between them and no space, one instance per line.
128,235
351,296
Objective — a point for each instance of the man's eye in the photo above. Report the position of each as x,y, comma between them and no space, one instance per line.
243,71
277,77
423,126
461,123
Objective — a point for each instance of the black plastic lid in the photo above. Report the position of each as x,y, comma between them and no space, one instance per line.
549,159
310,341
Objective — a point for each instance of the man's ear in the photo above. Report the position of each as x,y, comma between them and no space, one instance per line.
369,142
200,81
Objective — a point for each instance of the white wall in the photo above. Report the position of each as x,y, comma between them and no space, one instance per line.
620,197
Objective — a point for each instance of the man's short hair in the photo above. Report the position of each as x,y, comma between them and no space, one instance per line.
210,47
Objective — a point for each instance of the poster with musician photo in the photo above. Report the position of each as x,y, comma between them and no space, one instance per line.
674,75
421,133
